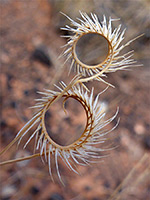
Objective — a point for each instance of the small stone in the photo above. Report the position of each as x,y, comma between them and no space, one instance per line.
13,104
107,184
56,196
146,142
8,191
3,124
87,188
26,92
41,54
139,129
34,190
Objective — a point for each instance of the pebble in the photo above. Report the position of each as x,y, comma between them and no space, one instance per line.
7,191
40,54
26,92
34,190
3,124
146,142
139,129
56,196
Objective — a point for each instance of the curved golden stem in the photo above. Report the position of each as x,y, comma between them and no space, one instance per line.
19,159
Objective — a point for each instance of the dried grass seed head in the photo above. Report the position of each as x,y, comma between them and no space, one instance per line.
82,150
113,60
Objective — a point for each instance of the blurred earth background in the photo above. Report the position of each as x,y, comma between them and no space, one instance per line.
30,45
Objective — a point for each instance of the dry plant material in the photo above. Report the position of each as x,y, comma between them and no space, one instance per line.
85,148
113,60
82,150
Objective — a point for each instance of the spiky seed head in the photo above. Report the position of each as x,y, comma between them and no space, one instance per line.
83,149
114,37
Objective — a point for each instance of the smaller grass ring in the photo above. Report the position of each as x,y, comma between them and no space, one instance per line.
113,61
98,66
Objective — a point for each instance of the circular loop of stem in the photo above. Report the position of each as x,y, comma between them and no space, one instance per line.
78,143
86,66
